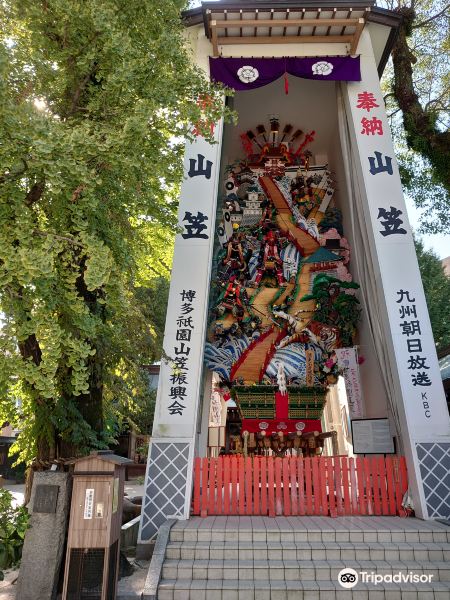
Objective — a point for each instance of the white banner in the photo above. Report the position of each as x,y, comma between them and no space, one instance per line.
215,411
180,375
417,391
347,359
399,276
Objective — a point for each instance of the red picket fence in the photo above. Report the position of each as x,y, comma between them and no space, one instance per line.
327,486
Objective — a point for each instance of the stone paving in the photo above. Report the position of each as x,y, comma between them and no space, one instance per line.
130,588
7,588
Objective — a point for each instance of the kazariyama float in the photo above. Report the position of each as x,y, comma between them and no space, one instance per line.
295,265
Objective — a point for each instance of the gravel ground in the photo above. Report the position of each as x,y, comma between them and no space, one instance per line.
132,488
17,490
129,588
7,589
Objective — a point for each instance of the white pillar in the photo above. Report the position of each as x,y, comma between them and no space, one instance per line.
424,418
168,480
202,435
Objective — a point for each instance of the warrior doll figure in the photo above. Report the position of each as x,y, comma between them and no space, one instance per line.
302,193
270,260
234,261
231,299
268,216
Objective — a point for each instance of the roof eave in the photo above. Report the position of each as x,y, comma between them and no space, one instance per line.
313,4
192,17
388,18
377,15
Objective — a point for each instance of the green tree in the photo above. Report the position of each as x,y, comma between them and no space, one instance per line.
418,92
96,97
437,292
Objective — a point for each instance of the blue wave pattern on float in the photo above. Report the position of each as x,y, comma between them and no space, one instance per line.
222,358
293,360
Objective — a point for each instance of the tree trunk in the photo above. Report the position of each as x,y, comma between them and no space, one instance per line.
91,404
30,349
421,133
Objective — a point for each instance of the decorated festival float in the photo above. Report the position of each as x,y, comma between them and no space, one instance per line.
294,252
282,300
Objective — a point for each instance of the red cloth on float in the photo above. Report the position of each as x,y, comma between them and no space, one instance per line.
284,425
281,405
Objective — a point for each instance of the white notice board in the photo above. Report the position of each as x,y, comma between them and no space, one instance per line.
372,436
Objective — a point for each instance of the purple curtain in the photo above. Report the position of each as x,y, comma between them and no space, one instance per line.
250,73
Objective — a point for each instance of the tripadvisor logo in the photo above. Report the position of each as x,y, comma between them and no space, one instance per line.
348,578
410,577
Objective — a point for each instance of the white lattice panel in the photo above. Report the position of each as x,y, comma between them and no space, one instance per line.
434,462
166,481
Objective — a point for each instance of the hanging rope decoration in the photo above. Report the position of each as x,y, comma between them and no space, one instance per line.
286,80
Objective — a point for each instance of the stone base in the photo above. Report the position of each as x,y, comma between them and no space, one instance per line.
145,551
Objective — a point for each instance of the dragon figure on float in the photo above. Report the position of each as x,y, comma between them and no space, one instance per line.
282,298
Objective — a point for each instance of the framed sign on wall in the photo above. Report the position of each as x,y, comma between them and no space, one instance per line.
372,436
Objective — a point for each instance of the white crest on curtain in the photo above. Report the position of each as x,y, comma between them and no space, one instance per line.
322,67
248,74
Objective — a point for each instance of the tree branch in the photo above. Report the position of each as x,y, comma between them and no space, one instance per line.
29,347
161,262
57,237
77,192
391,94
155,271
428,21
77,93
35,193
15,174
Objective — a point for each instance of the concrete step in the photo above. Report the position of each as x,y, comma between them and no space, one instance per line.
293,570
234,589
296,558
280,529
389,551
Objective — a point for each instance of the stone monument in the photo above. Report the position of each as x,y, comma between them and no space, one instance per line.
44,541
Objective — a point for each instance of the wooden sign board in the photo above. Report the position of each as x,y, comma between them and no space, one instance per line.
372,436
309,367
